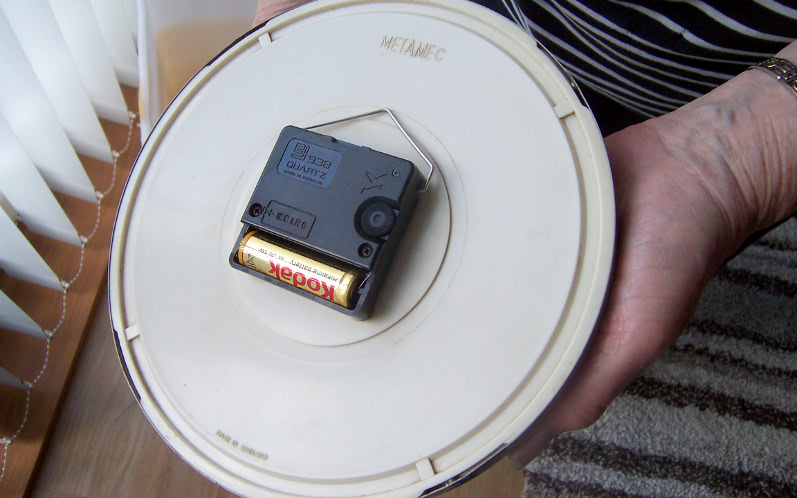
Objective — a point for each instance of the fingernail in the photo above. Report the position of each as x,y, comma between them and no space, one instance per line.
527,451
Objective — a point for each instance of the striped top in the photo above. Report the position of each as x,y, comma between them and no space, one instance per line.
654,56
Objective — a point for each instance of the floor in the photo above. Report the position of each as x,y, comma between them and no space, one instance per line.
103,445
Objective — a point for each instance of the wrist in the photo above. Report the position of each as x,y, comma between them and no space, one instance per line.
740,141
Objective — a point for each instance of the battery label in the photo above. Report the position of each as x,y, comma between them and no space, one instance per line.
309,163
300,271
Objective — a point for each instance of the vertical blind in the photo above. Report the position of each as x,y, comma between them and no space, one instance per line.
61,63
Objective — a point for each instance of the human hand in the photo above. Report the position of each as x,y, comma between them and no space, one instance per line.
266,9
690,186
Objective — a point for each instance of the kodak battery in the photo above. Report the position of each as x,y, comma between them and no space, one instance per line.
298,270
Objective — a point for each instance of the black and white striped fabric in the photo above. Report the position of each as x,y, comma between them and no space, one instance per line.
654,56
716,416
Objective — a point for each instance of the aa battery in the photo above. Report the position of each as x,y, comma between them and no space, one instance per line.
300,271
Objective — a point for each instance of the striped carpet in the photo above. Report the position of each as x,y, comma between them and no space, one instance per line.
716,416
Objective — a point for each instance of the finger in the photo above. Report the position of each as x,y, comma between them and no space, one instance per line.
266,9
622,348
530,447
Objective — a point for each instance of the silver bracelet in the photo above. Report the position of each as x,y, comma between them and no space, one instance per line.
782,69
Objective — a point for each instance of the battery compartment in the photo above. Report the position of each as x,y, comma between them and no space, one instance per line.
334,203
360,275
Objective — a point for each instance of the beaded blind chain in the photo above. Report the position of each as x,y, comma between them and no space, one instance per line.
7,441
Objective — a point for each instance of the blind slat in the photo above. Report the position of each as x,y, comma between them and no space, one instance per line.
118,41
131,16
39,36
25,189
19,258
13,318
29,114
8,379
83,37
